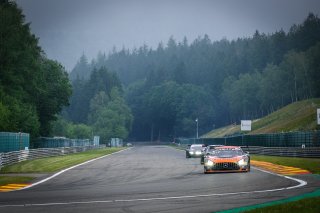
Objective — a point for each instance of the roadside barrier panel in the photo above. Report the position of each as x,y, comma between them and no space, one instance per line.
18,156
294,144
10,141
44,142
310,152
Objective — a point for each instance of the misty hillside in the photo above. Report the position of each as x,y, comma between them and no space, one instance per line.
178,89
299,116
216,82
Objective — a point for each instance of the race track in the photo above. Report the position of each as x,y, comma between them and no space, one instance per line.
152,179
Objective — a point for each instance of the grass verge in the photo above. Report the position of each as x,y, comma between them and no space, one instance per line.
50,164
4,180
310,164
307,205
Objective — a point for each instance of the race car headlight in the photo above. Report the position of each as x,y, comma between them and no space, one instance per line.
191,152
208,163
243,162
198,153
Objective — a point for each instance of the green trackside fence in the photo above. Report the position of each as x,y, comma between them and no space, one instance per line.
10,141
290,139
44,142
292,144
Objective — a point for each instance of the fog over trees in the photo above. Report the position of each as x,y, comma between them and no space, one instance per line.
153,93
218,82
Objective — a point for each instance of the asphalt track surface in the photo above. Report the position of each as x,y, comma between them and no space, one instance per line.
152,179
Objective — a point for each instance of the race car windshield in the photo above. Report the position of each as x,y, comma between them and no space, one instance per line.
196,147
213,147
226,153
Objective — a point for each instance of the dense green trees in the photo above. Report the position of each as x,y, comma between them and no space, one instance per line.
63,128
168,110
110,117
275,86
98,103
219,82
81,68
241,96
54,92
33,89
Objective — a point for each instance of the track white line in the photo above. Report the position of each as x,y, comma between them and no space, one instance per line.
301,184
65,170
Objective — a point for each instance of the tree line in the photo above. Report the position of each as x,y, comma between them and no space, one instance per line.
97,107
33,88
218,82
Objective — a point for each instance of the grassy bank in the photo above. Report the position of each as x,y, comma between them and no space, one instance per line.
298,116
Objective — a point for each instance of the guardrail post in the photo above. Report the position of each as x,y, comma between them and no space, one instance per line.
1,155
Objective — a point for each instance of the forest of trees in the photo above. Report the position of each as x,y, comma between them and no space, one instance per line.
97,107
153,94
216,82
33,89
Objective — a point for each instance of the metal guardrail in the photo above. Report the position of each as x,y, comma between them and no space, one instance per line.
19,156
147,143
288,139
291,144
309,152
44,142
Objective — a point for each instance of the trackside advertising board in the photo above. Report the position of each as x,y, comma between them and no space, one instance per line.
246,125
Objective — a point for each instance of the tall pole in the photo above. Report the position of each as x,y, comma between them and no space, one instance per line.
197,128
151,133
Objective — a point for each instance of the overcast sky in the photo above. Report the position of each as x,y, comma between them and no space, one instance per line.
68,28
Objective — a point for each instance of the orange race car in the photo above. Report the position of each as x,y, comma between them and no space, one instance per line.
227,159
